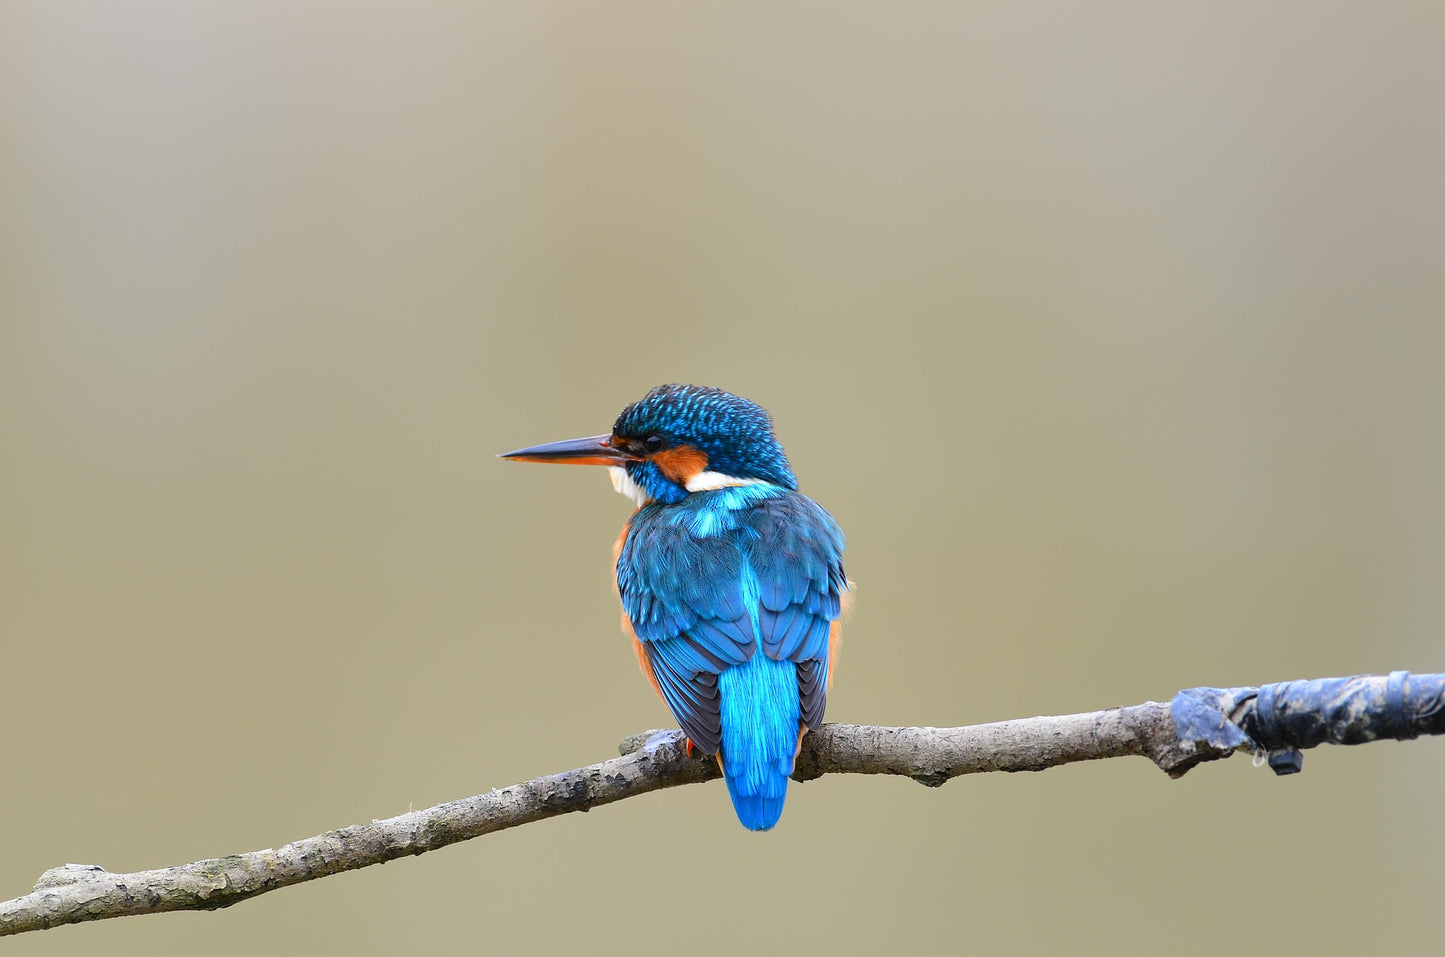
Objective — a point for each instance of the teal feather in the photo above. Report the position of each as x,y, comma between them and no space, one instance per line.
709,581
760,722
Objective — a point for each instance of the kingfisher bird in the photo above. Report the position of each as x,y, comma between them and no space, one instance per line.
731,580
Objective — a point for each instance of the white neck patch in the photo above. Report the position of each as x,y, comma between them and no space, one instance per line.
623,484
709,481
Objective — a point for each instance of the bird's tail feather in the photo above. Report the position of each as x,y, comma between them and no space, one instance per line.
760,720
760,810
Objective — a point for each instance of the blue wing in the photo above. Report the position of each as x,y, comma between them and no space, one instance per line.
796,556
704,581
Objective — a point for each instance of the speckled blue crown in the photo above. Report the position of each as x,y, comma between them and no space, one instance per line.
734,433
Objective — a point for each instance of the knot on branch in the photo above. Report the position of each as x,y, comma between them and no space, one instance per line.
67,874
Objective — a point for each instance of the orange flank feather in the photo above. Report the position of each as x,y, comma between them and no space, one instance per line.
835,633
680,464
617,550
835,641
637,648
642,661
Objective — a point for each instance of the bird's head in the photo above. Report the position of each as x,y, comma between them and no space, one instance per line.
676,440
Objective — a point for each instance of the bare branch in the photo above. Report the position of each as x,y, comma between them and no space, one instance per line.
657,759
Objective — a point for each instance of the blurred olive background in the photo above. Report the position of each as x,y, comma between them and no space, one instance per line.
1110,332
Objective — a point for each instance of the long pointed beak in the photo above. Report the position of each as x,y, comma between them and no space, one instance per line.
592,450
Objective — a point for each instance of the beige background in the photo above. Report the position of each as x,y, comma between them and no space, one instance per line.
1112,334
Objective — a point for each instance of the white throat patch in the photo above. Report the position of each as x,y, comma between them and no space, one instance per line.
622,483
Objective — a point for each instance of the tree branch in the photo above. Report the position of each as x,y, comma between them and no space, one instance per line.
1202,724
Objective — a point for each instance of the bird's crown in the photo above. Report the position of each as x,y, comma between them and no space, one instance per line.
734,434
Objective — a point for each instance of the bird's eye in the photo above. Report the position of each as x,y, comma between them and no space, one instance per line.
652,443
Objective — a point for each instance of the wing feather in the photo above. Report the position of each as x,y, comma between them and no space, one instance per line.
796,553
702,595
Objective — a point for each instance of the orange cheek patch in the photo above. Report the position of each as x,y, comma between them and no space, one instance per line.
682,463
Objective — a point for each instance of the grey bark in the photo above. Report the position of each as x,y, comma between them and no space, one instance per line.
1204,724
648,762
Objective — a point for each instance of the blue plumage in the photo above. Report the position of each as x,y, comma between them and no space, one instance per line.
760,719
731,579
766,574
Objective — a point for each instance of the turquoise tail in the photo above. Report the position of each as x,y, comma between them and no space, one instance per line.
760,720
759,811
